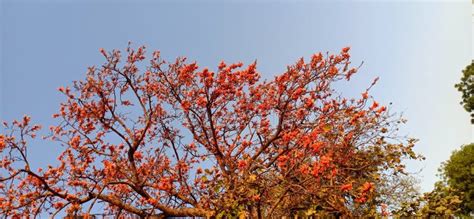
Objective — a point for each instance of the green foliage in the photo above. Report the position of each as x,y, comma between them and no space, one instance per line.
459,174
466,87
443,202
453,196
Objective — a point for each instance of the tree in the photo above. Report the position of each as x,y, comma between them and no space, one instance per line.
395,190
443,202
458,171
466,87
453,195
177,140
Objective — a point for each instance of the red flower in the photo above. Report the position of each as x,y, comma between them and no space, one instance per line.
2,142
365,95
361,199
242,164
346,187
367,186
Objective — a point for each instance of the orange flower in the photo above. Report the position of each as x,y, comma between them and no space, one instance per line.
346,49
297,93
365,95
282,160
325,160
333,70
346,187
75,141
316,146
316,59
367,186
304,169
201,101
58,205
138,155
374,105
2,142
309,102
256,197
361,199
242,164
185,105
382,109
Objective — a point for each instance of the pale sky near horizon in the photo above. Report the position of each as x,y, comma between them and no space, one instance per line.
418,50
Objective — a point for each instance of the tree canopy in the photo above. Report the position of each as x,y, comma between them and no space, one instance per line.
459,174
174,139
466,87
454,194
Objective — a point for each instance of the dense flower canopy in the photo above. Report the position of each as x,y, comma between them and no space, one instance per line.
174,139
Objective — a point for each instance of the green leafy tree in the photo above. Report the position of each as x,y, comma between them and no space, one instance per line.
453,196
443,202
466,87
459,174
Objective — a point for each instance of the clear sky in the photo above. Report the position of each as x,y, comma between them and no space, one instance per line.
418,49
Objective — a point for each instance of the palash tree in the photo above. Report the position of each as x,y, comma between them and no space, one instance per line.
172,139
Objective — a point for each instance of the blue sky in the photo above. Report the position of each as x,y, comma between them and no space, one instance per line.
417,49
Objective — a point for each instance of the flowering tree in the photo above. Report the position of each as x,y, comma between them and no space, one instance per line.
172,139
